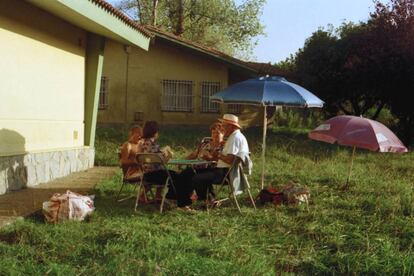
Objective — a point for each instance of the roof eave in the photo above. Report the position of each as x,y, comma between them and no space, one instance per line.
229,61
93,18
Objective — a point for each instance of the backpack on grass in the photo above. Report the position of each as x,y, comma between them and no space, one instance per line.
270,194
291,193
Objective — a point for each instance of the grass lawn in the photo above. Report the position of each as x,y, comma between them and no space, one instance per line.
367,230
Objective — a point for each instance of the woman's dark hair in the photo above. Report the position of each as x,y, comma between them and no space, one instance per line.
150,129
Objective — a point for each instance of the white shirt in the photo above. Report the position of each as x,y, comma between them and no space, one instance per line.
236,144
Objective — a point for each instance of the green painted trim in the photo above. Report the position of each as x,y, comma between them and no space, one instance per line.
93,73
89,16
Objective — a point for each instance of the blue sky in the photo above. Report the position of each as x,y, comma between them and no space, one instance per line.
289,22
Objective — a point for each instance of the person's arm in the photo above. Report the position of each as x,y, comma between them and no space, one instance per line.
195,153
229,158
125,156
192,155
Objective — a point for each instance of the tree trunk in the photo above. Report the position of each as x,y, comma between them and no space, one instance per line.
179,30
154,12
355,107
344,110
139,13
408,125
378,111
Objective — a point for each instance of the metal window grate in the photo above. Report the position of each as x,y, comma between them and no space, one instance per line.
234,108
208,89
138,116
177,95
103,93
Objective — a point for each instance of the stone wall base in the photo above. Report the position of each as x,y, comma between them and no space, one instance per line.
31,169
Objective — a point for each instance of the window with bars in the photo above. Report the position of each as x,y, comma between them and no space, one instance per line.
103,93
208,89
177,95
234,108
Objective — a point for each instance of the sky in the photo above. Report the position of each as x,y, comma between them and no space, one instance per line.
288,23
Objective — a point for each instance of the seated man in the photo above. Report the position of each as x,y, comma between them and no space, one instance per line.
235,145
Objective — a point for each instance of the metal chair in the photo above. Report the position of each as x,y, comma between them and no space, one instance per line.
205,140
153,159
237,165
126,181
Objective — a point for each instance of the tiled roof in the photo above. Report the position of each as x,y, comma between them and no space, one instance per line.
120,15
202,48
268,69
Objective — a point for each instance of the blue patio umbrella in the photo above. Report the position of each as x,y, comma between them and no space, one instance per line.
267,91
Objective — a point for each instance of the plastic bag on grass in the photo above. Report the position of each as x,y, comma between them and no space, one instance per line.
68,206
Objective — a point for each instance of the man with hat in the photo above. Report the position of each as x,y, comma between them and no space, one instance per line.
236,145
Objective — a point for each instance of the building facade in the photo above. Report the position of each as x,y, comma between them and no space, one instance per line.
171,83
52,54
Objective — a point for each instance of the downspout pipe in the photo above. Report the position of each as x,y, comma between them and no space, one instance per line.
128,52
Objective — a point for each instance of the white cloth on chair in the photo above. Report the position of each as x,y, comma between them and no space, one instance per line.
242,166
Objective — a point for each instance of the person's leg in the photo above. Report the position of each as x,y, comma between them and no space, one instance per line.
204,180
159,178
184,187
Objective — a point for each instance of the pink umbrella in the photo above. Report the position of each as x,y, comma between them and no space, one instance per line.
358,132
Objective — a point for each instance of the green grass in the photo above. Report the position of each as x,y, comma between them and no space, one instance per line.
367,230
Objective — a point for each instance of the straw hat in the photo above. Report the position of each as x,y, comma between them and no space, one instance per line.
230,119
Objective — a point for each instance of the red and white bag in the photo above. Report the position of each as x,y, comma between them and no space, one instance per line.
68,206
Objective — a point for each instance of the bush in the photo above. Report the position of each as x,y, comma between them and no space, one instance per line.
298,118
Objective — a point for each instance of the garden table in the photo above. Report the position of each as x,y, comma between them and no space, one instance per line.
188,162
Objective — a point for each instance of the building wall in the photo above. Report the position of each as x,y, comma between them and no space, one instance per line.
42,92
42,80
134,82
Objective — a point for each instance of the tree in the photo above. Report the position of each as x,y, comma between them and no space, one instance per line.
395,26
220,24
359,67
341,66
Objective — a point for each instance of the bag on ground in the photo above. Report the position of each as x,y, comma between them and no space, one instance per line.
270,194
68,206
294,193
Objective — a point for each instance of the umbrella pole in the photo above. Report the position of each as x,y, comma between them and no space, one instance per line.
350,168
264,144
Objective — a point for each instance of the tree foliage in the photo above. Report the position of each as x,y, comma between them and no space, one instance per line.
222,24
395,26
359,67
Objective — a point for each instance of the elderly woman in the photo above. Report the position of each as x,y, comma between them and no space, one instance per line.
209,150
154,173
206,150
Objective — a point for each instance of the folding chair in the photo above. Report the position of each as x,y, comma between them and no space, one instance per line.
237,164
205,140
125,181
153,159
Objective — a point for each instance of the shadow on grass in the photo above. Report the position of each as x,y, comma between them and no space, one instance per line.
107,205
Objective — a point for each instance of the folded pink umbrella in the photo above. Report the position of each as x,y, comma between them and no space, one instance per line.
358,132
